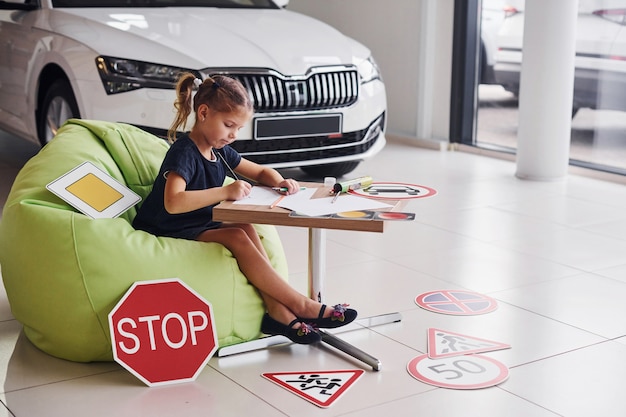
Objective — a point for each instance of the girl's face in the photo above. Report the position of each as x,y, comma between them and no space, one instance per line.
220,129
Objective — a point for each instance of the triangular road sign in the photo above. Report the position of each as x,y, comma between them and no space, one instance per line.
443,343
321,388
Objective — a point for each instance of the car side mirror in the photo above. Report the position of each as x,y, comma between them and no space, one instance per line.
281,3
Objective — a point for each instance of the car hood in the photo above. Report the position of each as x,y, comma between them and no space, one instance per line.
198,38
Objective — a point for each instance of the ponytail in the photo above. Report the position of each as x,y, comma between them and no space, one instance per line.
182,104
220,93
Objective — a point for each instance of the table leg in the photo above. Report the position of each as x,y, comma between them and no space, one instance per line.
351,350
317,276
317,263
249,346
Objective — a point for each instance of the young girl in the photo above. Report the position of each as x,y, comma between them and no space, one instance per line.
190,184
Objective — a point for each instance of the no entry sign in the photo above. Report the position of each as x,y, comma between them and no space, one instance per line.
163,332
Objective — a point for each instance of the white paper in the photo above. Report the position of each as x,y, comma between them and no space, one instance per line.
301,202
323,206
265,196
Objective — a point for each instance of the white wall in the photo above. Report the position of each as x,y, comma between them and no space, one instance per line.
412,42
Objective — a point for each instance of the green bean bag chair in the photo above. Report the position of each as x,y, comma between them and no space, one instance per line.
64,271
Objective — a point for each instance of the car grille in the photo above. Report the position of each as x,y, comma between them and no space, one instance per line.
321,89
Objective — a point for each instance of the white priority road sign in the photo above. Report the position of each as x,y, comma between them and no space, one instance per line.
321,388
444,343
459,372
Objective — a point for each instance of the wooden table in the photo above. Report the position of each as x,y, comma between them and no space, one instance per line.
227,211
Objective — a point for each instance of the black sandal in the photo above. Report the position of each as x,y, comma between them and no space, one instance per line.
340,317
304,335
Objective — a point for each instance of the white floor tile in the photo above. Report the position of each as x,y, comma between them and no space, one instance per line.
5,308
485,267
120,394
616,229
581,383
575,248
587,301
4,411
567,211
617,272
26,366
440,402
400,238
489,224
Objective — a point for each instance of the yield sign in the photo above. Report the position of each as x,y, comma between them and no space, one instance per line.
442,343
321,388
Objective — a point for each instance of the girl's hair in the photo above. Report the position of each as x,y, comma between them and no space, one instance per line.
220,93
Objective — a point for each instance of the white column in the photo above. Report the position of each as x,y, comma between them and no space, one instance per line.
426,69
546,89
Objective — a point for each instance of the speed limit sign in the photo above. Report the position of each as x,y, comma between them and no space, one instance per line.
458,372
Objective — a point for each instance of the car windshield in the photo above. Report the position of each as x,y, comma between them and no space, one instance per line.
253,4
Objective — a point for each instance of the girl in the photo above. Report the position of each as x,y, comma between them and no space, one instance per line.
190,184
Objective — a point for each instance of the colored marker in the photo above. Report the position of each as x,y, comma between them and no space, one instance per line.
355,184
278,200
345,186
285,189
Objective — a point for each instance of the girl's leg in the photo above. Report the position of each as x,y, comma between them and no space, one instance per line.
277,310
258,270
252,234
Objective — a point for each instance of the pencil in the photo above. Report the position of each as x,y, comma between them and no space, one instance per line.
228,166
278,200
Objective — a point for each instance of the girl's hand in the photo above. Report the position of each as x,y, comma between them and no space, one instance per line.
238,190
291,185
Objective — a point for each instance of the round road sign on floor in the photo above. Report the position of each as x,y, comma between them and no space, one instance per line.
458,372
394,190
456,302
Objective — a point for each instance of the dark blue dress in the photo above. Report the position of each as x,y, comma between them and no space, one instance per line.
185,159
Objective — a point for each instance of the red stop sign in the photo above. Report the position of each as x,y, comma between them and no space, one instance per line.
163,332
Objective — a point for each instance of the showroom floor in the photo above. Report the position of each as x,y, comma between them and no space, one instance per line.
552,255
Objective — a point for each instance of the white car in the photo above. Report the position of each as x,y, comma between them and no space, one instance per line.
600,72
492,15
320,102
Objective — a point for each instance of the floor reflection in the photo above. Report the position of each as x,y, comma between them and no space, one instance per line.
598,136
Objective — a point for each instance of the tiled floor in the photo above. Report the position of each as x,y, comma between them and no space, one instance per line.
553,254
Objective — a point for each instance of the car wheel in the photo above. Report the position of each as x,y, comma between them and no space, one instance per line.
58,105
330,170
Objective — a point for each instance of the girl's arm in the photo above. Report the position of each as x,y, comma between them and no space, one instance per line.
177,200
266,176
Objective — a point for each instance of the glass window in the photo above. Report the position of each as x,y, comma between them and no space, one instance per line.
598,137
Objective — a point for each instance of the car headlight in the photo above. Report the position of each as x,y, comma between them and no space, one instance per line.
368,70
120,75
